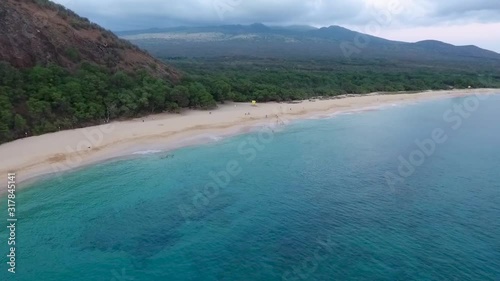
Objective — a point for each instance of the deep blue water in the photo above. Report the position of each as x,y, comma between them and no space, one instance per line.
311,202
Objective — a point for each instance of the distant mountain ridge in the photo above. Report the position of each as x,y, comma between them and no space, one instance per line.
260,40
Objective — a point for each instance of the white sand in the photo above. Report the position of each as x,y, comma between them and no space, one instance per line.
56,152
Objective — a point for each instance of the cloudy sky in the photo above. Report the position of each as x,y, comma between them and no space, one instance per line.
460,22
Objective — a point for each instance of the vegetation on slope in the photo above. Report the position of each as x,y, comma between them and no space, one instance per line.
60,71
46,99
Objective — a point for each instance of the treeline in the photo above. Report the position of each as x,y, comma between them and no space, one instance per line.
47,99
283,80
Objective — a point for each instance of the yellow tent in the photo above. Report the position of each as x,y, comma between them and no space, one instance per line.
254,103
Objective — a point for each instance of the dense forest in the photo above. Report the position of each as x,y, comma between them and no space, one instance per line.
49,98
287,79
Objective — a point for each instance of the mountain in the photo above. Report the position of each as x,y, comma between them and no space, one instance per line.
448,49
39,32
60,71
258,40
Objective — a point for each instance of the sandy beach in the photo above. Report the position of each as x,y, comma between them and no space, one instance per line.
61,151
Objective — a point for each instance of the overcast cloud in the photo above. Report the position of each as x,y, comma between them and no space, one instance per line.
408,20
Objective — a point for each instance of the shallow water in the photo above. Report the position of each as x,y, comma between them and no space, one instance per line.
311,201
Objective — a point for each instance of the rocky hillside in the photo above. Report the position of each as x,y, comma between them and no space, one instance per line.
59,71
39,32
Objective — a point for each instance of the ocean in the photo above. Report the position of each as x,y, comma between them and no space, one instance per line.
404,192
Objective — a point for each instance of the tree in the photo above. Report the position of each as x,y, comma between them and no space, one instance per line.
200,97
221,90
20,125
179,95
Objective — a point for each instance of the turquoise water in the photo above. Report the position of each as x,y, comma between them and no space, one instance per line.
311,202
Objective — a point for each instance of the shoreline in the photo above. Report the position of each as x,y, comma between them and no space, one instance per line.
47,155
